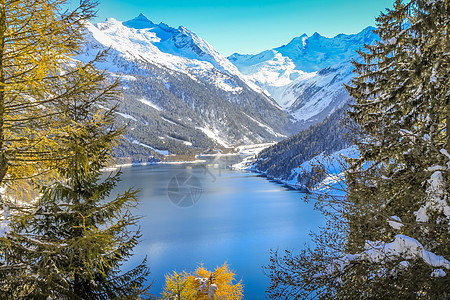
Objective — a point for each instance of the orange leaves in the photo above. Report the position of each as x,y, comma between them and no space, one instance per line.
203,285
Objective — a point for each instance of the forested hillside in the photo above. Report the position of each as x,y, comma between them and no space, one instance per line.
331,135
175,114
180,96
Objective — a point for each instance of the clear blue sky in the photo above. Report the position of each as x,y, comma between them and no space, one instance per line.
251,26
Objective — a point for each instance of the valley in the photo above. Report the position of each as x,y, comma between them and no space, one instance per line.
181,98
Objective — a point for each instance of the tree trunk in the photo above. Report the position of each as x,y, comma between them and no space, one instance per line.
3,160
447,131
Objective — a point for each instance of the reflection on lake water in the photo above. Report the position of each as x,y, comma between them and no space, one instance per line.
213,216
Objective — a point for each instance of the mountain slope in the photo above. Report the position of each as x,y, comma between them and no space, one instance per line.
306,76
329,136
180,96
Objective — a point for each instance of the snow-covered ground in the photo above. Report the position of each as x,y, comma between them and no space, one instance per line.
149,103
252,149
333,166
214,135
333,183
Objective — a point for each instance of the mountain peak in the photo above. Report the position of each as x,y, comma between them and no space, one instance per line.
111,20
369,28
139,22
142,17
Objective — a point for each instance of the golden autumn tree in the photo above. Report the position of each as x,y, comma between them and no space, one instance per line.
203,285
38,39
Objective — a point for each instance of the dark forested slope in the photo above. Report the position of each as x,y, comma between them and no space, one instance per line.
328,136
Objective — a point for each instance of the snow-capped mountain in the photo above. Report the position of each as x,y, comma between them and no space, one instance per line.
178,49
306,76
179,92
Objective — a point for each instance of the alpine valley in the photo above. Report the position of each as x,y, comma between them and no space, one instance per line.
182,98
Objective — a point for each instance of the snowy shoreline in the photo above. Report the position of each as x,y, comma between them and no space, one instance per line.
332,184
240,150
118,166
252,169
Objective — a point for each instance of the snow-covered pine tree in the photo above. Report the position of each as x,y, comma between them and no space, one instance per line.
400,185
390,237
71,243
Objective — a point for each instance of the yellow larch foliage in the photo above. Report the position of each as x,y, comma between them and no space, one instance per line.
203,285
37,76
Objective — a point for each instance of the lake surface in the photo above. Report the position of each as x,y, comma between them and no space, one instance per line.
205,213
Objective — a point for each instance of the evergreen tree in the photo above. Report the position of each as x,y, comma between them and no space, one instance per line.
72,242
400,185
389,238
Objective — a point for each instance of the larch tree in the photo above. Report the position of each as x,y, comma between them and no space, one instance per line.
37,42
203,284
390,236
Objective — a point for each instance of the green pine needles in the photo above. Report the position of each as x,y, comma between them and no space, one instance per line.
389,238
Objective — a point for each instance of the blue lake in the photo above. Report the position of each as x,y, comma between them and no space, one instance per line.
234,217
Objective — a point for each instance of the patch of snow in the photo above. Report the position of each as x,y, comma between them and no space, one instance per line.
334,182
181,141
436,168
395,224
168,121
267,128
402,247
212,291
126,116
162,152
433,78
436,198
181,162
214,135
404,264
438,273
5,223
253,149
247,164
152,105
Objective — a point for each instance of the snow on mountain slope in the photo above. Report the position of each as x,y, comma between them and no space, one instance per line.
178,90
317,52
305,76
178,49
310,100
